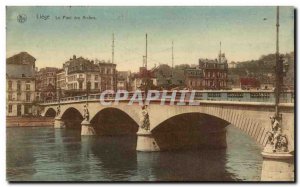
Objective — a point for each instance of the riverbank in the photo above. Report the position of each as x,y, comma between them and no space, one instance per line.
29,121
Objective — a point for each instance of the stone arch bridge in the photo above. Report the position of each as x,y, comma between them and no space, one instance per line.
170,124
252,118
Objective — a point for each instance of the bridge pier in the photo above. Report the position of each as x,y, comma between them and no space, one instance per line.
87,128
146,141
59,123
277,166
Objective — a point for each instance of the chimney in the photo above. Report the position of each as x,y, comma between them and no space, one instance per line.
74,56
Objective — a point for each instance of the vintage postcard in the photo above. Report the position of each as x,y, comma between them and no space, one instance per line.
150,94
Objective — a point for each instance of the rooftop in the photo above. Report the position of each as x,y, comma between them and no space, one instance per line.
22,58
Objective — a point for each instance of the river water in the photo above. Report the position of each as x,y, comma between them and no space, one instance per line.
48,154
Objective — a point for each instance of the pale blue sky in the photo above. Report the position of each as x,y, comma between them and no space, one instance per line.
196,32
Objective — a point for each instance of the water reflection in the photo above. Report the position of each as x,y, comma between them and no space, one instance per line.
19,162
47,154
207,165
116,155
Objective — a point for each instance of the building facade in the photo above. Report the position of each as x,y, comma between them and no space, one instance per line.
108,74
20,84
232,64
124,80
194,78
138,79
215,73
79,76
60,83
208,75
248,83
46,83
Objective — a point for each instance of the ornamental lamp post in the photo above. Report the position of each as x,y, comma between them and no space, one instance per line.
278,68
59,94
278,164
88,88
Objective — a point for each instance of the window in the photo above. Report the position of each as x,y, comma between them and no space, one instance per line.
27,86
10,85
27,109
96,85
96,77
88,77
18,96
10,97
27,96
19,86
10,108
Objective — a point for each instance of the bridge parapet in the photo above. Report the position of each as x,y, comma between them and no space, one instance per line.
262,96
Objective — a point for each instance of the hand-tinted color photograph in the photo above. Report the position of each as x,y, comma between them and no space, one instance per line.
150,94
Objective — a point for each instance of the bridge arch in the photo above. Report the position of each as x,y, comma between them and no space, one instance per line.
239,118
114,121
196,118
190,130
50,112
72,118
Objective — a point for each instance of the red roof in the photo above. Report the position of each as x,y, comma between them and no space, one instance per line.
249,81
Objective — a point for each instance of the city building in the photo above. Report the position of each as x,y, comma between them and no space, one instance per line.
234,81
108,74
163,74
267,82
248,83
194,78
20,84
77,73
124,80
208,75
79,76
138,79
232,64
61,83
46,83
215,73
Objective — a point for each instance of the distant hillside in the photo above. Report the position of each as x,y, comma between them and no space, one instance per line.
264,68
